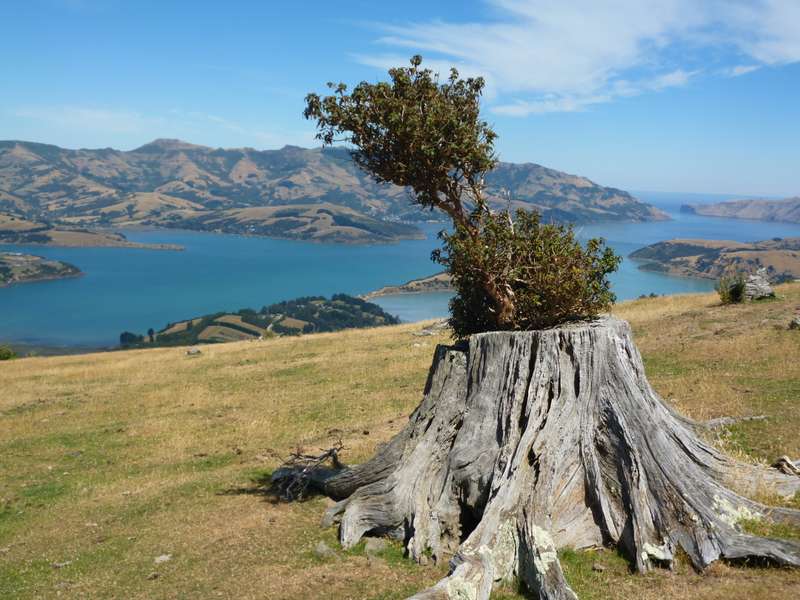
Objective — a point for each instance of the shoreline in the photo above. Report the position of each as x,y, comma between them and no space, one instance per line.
436,283
44,349
41,279
422,236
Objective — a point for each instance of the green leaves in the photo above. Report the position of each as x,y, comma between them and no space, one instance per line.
413,131
549,276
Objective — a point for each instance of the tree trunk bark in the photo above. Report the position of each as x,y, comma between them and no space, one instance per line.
528,442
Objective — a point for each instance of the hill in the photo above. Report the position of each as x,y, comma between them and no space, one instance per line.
711,259
18,230
311,314
24,268
113,460
170,183
787,210
435,283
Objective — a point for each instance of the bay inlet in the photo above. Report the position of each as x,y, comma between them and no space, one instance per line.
135,289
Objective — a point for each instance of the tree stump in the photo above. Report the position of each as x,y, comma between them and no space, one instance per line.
528,442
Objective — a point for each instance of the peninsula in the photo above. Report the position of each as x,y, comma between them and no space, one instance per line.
710,259
787,210
440,282
26,268
311,314
18,230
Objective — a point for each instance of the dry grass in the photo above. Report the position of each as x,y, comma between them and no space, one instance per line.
219,333
292,323
176,327
237,320
16,224
110,460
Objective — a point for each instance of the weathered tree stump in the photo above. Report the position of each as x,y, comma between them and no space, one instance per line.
529,442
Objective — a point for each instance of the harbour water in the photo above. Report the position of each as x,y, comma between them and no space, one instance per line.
133,289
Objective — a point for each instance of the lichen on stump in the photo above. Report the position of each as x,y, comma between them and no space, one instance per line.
528,442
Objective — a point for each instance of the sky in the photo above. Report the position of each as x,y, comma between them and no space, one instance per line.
669,95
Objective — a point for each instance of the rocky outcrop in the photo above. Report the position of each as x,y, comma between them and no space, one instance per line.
757,286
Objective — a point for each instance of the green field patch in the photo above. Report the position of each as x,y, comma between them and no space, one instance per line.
586,582
190,492
203,462
667,365
765,528
300,371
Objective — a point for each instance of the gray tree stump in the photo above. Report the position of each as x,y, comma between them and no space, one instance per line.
529,442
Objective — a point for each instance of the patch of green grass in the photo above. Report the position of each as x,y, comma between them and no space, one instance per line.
767,439
301,370
208,462
193,493
665,365
397,594
41,494
30,499
509,590
18,579
766,528
586,582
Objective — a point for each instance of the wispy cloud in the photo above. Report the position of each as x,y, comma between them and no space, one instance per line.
186,124
740,70
541,56
89,118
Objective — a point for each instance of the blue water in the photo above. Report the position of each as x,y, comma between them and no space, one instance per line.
131,289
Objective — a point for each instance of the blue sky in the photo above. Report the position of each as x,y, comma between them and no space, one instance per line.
672,95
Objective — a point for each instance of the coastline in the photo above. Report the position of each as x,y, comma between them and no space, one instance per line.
438,282
41,279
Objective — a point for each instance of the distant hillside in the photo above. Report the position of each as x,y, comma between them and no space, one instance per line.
17,230
170,183
435,283
23,268
787,210
312,314
711,259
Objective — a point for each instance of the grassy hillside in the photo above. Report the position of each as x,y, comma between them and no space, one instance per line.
309,314
108,461
22,268
16,230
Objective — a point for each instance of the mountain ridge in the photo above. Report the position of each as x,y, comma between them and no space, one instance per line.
173,183
785,210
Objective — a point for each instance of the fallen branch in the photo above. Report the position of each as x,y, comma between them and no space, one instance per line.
785,465
293,478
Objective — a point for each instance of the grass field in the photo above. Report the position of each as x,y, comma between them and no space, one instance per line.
109,461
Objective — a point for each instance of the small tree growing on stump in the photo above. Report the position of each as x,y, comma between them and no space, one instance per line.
428,136
541,432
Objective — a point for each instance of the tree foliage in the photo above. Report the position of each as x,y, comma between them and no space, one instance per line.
552,277
427,135
414,132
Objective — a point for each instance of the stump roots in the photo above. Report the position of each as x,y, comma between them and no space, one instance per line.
529,442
